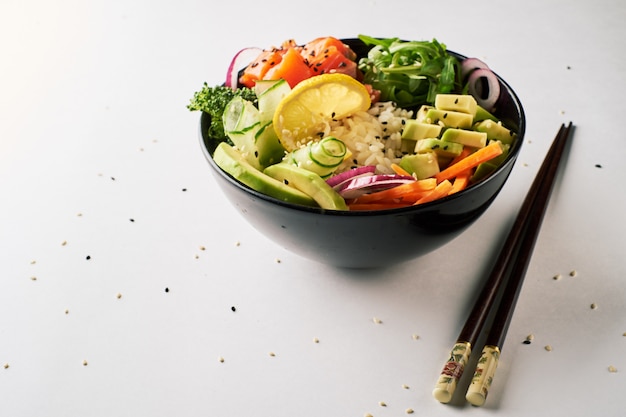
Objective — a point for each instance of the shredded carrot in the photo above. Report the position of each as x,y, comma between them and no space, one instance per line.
400,192
399,170
442,190
469,162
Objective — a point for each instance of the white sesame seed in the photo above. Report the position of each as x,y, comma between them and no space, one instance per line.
202,248
278,260
557,277
118,295
221,359
548,348
316,340
6,366
272,354
377,320
612,369
409,411
573,273
382,403
415,336
85,363
64,243
33,278
405,386
593,306
530,337
33,262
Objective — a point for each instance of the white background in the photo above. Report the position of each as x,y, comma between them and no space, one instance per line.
94,132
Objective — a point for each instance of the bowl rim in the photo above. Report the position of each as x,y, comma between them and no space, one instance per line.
509,160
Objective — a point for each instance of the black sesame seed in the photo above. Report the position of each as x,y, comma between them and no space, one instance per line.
88,257
184,189
598,166
167,289
526,342
233,308
132,220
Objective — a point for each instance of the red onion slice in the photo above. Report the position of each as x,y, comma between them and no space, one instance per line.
364,185
241,58
336,181
485,87
468,66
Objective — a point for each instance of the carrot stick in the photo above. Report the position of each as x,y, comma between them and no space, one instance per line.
471,161
399,191
461,182
464,153
399,170
442,190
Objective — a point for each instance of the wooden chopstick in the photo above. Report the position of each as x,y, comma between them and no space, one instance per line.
488,362
526,224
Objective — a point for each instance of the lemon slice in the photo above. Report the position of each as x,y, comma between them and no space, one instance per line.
303,113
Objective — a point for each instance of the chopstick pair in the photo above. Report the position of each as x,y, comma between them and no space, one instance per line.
508,272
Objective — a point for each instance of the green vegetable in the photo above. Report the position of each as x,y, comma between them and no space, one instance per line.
322,157
213,100
410,73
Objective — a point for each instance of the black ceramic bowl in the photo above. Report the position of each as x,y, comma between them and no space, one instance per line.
366,239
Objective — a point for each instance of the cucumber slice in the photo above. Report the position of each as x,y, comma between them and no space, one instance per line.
270,97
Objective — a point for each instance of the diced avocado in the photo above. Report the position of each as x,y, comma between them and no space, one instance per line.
414,131
482,114
422,165
440,147
309,183
420,116
419,130
482,171
465,137
463,103
231,161
448,118
495,131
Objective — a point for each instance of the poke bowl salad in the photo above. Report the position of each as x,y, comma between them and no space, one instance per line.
363,124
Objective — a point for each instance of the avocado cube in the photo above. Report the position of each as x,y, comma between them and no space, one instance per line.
421,165
463,103
469,138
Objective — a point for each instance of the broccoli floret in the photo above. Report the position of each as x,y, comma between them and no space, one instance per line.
213,100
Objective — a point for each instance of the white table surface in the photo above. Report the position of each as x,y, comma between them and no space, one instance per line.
100,159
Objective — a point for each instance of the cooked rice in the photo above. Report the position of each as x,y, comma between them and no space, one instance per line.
372,137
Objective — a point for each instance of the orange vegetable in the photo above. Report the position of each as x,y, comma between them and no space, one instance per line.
399,170
461,181
402,193
442,190
469,162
